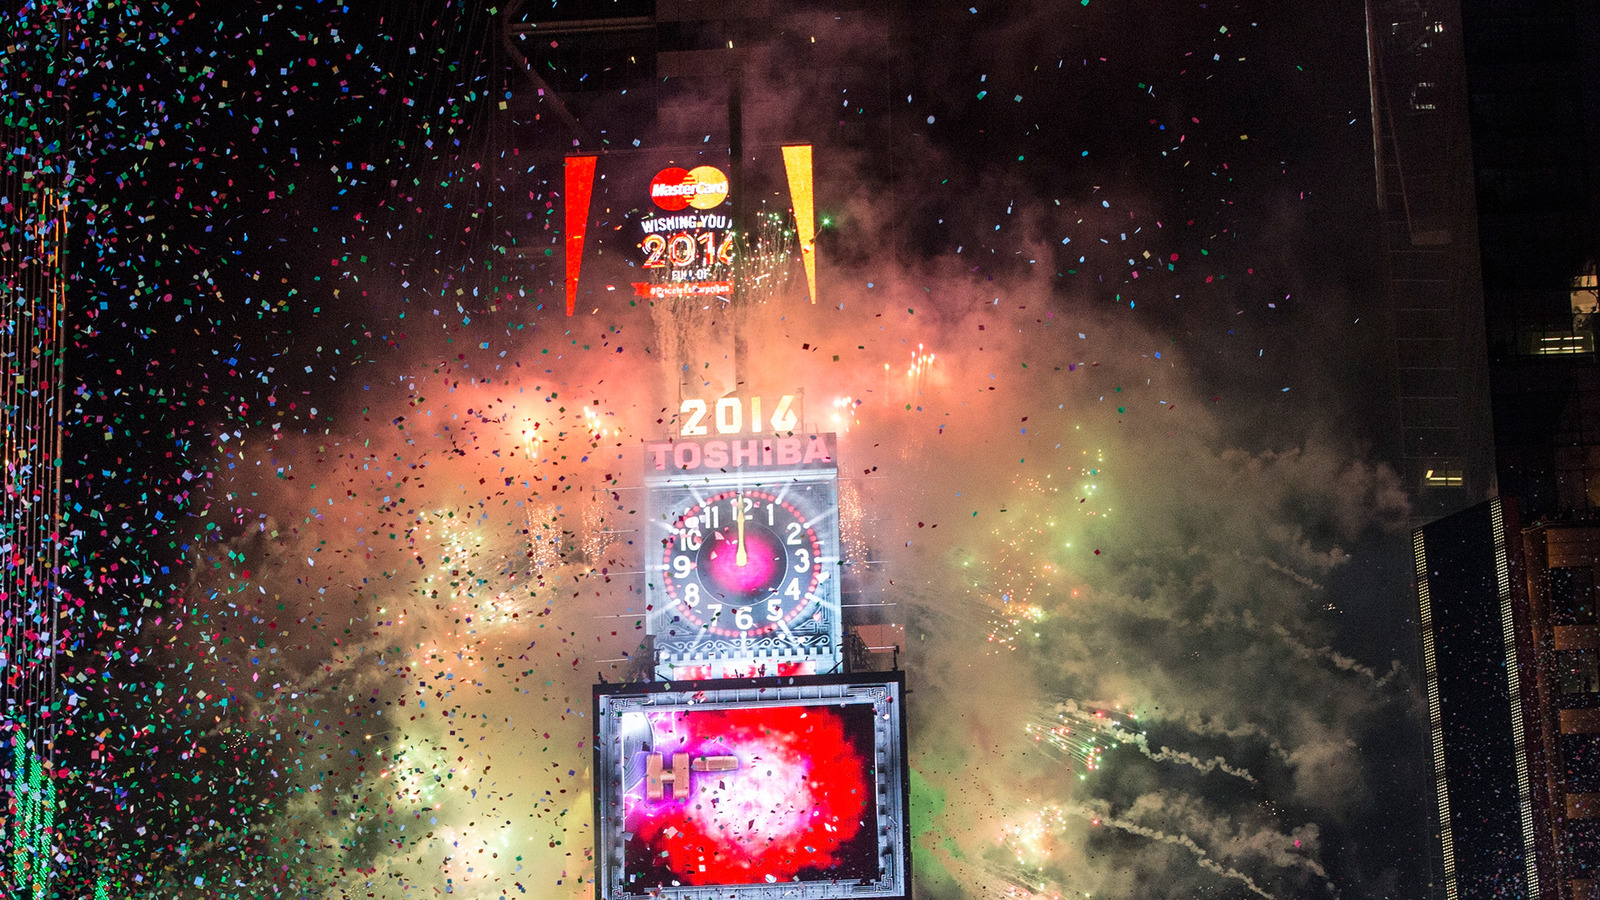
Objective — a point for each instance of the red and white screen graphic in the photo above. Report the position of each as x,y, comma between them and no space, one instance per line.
753,796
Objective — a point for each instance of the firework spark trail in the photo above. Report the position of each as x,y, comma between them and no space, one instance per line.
1167,754
1010,891
1235,838
1074,731
1076,745
1285,570
768,258
1081,734
1201,857
1339,660
921,366
846,412
1202,725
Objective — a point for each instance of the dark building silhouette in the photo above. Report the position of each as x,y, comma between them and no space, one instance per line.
1479,667
1486,122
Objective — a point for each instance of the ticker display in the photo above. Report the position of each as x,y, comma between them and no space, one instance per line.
752,788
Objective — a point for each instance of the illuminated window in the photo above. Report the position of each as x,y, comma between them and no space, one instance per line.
1579,671
1442,478
1584,298
1560,343
1585,293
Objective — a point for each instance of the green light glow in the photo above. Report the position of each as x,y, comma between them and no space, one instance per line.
34,822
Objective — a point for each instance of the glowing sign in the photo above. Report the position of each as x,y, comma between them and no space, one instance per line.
729,416
670,228
686,455
579,183
791,787
746,582
703,187
32,804
688,256
797,166
658,778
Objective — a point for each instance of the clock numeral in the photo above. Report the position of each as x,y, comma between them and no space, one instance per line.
792,590
742,619
681,566
691,594
794,534
712,517
769,512
733,507
804,565
690,539
716,610
774,609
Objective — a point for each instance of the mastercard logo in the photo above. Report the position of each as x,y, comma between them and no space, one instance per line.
703,187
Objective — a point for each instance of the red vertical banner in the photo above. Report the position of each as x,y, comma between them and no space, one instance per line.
579,171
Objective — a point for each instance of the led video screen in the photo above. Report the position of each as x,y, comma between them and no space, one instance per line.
662,226
751,788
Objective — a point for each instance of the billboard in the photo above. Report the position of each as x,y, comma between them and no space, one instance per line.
752,788
665,226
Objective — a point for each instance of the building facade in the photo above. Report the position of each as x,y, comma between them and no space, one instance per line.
1480,668
1510,94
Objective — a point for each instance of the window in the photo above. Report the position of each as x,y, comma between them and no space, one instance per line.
1579,671
1442,478
1581,758
1583,844
1561,343
1424,96
1585,294
1572,596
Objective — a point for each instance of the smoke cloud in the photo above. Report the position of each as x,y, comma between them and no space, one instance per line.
1065,479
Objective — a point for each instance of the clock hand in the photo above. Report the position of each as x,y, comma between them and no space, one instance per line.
740,557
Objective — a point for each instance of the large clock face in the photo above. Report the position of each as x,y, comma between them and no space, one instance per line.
748,561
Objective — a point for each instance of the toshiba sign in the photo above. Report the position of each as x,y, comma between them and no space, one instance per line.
690,456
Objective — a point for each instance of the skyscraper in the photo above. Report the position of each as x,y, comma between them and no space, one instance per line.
1501,309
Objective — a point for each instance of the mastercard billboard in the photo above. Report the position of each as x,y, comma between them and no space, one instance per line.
666,228
703,187
789,787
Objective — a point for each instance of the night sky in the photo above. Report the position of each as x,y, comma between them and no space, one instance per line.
334,625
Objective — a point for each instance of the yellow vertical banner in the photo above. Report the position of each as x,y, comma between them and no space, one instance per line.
797,165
